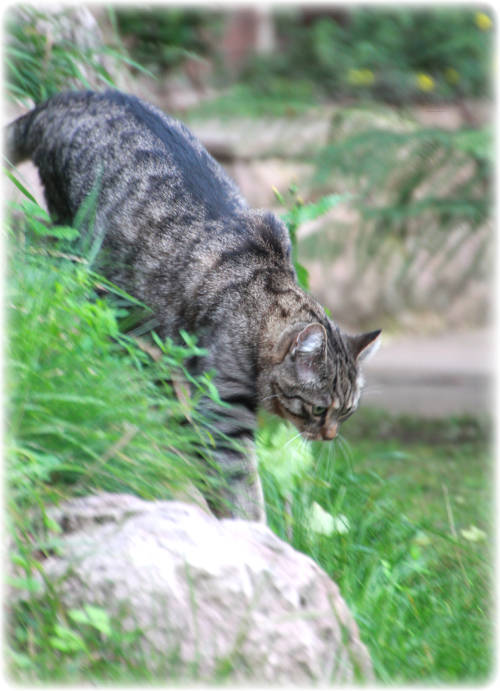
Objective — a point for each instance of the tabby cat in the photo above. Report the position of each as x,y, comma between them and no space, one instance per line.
179,237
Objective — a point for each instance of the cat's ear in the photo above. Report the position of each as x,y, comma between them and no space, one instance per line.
364,345
308,351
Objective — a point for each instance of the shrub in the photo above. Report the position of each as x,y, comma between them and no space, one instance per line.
396,55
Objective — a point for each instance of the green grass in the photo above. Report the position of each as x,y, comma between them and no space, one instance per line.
281,98
84,400
88,409
409,546
40,62
398,511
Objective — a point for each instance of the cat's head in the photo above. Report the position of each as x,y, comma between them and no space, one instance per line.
316,381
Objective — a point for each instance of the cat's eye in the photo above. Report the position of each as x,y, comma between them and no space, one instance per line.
318,410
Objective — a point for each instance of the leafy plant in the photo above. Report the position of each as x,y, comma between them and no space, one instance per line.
396,55
43,57
299,213
89,408
68,418
422,194
372,515
163,38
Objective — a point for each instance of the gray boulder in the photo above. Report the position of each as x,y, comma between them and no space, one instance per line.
217,594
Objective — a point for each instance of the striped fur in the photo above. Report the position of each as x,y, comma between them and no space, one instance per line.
177,235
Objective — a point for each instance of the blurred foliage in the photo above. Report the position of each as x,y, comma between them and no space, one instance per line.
392,54
48,52
278,98
415,173
396,55
161,38
88,402
417,189
298,212
419,227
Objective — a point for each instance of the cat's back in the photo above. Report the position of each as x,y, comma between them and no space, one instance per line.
175,231
131,150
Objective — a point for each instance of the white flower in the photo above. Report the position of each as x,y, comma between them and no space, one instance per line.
322,522
473,534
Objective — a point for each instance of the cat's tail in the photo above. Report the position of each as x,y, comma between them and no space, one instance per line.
17,144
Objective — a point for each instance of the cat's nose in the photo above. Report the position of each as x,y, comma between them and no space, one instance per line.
330,432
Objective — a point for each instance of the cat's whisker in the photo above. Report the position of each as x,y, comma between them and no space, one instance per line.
292,439
342,441
332,450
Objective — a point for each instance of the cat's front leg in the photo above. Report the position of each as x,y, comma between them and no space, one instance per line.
240,492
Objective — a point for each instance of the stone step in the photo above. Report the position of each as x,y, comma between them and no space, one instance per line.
433,377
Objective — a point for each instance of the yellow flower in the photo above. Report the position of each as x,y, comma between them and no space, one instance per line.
451,75
425,82
360,77
483,21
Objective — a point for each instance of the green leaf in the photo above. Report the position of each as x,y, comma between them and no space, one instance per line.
66,640
96,617
309,212
32,208
282,453
20,659
21,187
279,196
120,57
51,524
37,226
63,232
479,143
28,583
302,275
323,523
320,521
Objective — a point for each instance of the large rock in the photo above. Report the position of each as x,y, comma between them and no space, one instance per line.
201,590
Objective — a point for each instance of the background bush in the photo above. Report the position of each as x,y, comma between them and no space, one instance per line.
161,38
396,55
